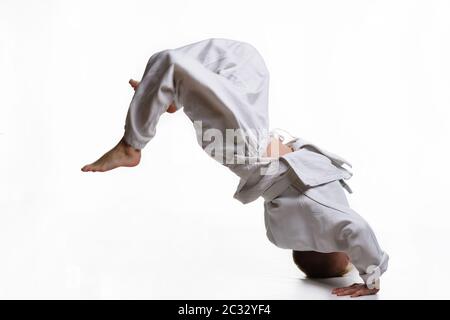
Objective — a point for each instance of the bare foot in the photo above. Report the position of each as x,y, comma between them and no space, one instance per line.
122,155
134,83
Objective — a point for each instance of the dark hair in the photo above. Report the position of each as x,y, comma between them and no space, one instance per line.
321,265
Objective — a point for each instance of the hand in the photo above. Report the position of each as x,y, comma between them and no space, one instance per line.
355,290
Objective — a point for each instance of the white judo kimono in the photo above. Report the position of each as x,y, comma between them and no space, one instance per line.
223,84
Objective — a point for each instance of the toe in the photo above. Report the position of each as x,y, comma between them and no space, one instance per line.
133,83
88,168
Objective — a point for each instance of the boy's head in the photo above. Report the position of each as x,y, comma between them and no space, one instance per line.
321,265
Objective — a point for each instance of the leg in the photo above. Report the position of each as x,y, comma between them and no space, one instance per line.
174,79
122,155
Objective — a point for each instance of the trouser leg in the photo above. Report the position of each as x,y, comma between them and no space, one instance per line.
214,94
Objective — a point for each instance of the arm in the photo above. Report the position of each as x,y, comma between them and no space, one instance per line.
344,230
362,246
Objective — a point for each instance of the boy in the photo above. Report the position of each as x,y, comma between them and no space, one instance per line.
222,86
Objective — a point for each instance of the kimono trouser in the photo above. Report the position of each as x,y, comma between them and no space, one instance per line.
222,83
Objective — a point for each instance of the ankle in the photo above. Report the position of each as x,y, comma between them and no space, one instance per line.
128,148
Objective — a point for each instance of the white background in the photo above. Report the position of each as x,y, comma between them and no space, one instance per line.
368,80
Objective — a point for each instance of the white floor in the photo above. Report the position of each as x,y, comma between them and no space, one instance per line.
167,229
163,231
